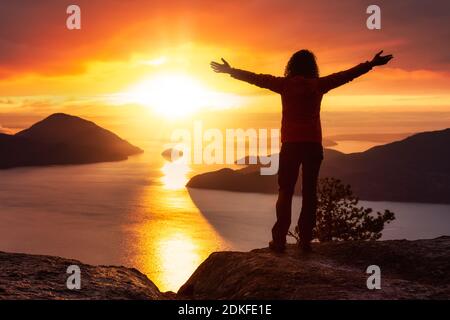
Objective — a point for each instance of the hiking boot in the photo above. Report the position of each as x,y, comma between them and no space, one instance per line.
276,247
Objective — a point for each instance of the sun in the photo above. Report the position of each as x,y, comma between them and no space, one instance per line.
176,95
172,95
169,94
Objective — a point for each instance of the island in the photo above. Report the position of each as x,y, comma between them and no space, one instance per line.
415,169
62,139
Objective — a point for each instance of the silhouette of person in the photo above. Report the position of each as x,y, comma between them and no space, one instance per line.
301,91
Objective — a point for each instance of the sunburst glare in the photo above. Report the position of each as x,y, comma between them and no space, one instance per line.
176,95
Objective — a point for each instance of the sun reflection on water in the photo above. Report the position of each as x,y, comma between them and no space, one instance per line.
179,254
171,236
175,175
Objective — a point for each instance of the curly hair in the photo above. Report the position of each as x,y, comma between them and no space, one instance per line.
302,63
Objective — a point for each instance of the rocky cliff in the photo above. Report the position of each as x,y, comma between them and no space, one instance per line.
409,270
24,276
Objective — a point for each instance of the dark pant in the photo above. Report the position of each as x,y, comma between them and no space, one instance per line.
293,154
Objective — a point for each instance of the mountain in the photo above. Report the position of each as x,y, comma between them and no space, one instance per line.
62,139
415,169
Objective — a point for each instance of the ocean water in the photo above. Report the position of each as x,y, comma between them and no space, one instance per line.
138,213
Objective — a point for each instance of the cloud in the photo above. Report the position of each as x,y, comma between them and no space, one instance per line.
34,39
5,130
7,101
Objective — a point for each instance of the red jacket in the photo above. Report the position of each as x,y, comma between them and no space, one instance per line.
301,99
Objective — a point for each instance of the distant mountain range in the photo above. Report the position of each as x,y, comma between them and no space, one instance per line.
62,139
415,169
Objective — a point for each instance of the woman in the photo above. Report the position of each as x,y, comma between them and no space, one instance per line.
301,91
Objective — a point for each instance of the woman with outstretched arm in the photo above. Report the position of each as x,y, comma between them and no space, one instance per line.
301,91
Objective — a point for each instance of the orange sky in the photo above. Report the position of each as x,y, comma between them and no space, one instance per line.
46,68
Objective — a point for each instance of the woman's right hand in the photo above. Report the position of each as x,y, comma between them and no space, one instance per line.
221,67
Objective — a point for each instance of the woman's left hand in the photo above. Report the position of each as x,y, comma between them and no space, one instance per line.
380,60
